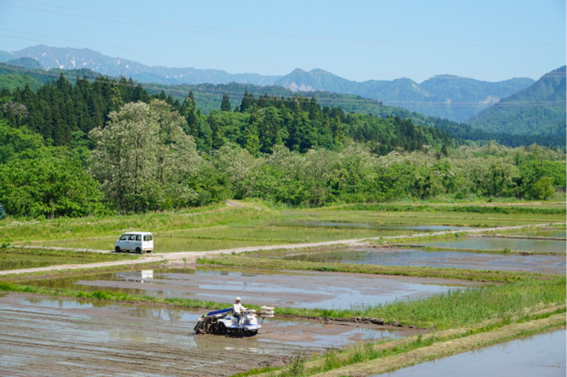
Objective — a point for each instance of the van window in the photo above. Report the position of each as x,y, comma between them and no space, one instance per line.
124,237
148,237
132,237
138,237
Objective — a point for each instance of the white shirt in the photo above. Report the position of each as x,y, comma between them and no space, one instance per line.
237,308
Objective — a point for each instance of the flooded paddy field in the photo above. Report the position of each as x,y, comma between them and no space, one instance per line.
411,218
547,264
45,336
541,355
305,289
538,232
488,243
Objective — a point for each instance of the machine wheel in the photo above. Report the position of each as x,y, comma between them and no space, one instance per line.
117,249
138,250
221,329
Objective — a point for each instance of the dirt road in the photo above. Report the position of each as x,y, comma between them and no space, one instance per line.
192,256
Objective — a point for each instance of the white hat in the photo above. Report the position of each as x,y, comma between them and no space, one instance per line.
238,299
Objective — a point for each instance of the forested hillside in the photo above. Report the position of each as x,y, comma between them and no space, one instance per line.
444,96
60,110
537,110
208,97
107,146
71,58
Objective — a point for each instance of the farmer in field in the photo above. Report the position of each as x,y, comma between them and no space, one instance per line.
238,309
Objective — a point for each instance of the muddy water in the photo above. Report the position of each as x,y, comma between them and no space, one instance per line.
482,243
290,289
55,337
399,257
541,355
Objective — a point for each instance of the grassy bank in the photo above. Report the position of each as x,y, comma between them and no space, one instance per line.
392,355
449,310
436,272
16,258
483,209
13,230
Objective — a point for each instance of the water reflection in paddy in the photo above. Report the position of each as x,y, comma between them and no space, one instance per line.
541,355
297,332
401,257
486,243
290,289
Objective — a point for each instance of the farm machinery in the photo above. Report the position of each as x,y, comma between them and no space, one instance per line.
222,322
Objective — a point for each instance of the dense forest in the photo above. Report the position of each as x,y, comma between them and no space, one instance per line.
107,146
61,111
209,97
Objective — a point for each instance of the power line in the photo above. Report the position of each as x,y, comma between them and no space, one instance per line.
278,35
152,52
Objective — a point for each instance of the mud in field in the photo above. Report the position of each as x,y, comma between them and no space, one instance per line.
325,290
547,264
541,355
42,336
479,243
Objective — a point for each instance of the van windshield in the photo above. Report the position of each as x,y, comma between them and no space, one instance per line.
148,237
124,237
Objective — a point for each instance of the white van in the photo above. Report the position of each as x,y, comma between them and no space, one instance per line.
135,241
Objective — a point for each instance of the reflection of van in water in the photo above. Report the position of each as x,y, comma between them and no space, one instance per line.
135,241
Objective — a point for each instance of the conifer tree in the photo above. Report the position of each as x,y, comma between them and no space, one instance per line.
225,104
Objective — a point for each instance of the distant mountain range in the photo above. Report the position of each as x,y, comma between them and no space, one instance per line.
209,98
72,58
537,110
444,96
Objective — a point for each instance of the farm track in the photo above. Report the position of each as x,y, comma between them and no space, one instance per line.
191,257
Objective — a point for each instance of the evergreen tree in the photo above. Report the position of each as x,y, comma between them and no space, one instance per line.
225,104
217,139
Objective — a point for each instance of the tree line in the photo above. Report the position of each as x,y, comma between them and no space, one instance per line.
104,147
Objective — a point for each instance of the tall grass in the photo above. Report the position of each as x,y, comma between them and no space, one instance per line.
449,310
13,258
66,228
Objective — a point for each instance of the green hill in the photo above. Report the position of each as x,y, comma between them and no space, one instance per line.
27,63
444,96
208,98
536,110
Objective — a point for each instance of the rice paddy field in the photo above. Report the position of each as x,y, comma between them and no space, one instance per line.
356,305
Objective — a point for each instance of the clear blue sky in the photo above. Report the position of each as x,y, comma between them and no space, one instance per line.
360,40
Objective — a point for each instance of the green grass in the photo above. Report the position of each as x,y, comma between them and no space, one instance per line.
436,272
251,223
13,231
15,258
412,218
483,209
448,310
162,243
334,359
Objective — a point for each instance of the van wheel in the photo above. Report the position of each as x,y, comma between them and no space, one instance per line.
117,249
138,250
